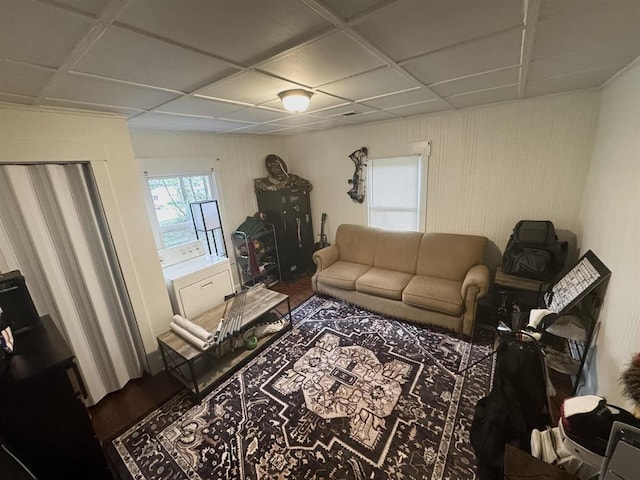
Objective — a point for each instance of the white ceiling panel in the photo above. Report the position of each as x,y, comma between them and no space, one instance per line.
128,112
576,81
563,34
292,131
482,81
614,55
372,84
348,9
164,121
21,99
22,79
495,95
92,7
248,87
330,58
490,53
198,106
191,64
415,27
119,53
344,111
256,115
421,108
299,120
404,98
260,128
370,117
38,33
239,31
321,100
94,90
327,124
571,8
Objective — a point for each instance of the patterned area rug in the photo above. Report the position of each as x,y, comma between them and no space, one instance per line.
346,394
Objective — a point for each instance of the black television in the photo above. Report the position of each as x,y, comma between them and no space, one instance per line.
18,309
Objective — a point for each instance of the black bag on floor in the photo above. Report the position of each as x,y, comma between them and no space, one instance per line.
515,406
534,251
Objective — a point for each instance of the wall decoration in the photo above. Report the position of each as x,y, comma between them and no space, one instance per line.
358,181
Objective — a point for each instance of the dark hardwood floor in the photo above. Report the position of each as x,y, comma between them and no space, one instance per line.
299,290
120,409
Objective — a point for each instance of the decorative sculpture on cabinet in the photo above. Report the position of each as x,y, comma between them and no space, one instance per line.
279,177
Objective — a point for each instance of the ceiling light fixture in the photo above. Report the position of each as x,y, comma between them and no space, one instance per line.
295,101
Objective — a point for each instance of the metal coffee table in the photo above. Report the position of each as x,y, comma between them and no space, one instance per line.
201,370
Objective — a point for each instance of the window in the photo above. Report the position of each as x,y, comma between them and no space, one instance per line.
171,197
394,192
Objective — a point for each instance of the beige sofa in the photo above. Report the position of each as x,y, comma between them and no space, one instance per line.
433,278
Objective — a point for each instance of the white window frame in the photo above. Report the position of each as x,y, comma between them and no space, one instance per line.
157,229
420,207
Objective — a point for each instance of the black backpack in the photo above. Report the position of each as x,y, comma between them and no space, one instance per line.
534,251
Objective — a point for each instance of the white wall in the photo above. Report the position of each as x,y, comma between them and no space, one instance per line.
612,229
236,160
489,167
48,135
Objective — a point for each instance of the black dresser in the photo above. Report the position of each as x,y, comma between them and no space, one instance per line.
42,419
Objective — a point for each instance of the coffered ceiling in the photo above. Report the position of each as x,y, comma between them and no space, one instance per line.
218,65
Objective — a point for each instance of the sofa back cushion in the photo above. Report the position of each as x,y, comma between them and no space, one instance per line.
450,255
397,251
357,243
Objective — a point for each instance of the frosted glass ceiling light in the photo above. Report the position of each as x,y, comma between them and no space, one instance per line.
295,101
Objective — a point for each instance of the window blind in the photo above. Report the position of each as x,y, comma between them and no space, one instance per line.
394,192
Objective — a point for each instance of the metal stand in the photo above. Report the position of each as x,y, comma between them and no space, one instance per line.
206,218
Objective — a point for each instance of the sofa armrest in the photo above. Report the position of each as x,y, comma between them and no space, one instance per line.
477,276
326,257
474,286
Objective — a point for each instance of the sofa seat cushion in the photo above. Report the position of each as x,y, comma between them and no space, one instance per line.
383,283
434,293
342,274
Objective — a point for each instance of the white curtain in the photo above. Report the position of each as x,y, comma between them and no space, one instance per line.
53,229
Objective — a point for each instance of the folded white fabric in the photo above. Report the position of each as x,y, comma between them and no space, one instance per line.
549,446
193,329
536,315
581,405
189,337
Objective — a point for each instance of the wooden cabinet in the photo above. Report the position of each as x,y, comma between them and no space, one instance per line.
42,418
